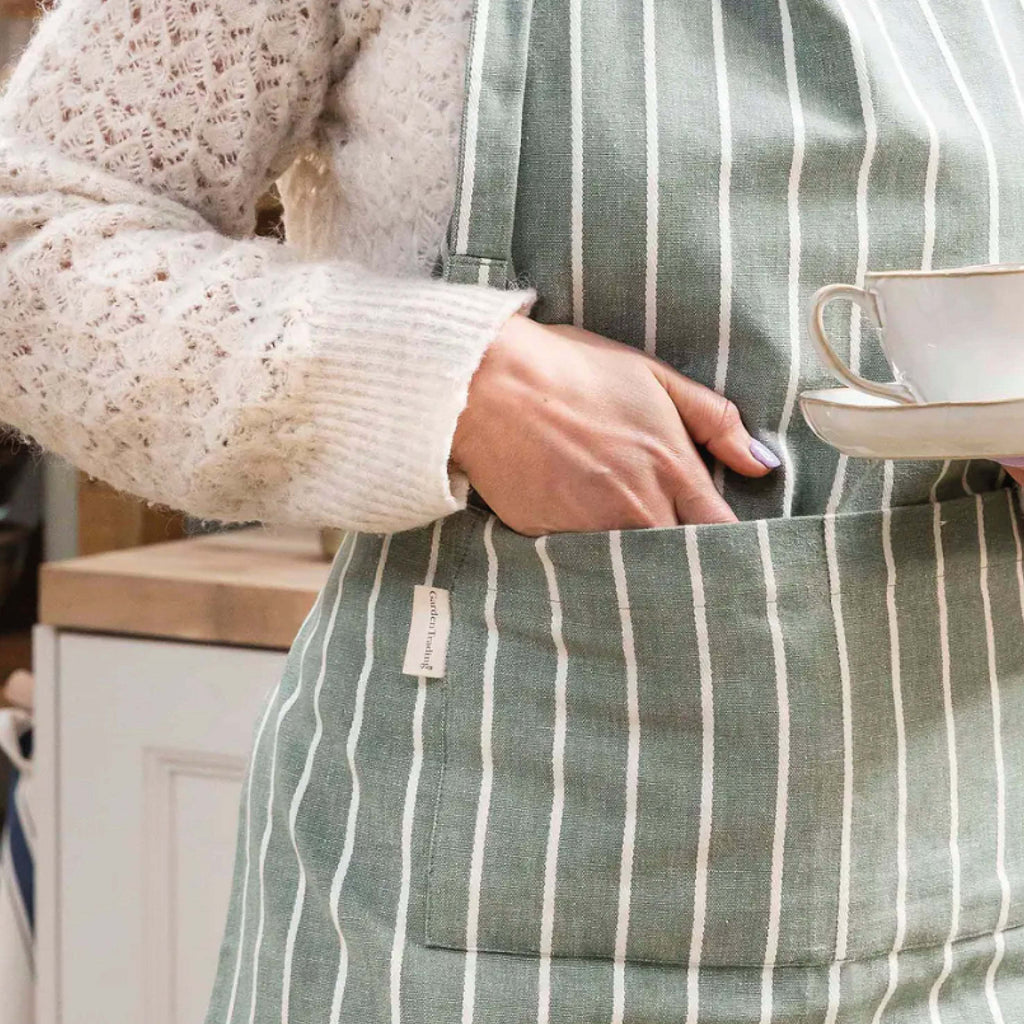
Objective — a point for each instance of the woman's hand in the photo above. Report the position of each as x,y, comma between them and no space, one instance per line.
567,431
1015,467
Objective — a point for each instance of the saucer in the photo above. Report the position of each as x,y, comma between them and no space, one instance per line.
878,428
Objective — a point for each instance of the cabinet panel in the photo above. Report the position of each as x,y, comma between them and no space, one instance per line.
189,816
153,739
199,804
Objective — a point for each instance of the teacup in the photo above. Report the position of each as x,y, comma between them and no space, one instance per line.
949,335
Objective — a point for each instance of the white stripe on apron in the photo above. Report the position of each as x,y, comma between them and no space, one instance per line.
795,313
782,781
986,141
867,107
486,778
472,123
300,790
632,775
409,809
843,912
558,788
863,178
932,173
1004,56
901,748
997,743
651,93
707,776
724,226
353,807
951,756
576,71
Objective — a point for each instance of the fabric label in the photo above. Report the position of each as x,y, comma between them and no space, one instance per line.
428,633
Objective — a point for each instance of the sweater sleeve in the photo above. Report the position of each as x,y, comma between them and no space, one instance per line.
151,341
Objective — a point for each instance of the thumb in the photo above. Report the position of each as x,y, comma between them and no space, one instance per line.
714,422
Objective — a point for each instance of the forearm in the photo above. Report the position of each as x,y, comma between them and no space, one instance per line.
149,342
230,378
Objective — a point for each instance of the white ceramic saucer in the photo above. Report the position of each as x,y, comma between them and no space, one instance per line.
877,428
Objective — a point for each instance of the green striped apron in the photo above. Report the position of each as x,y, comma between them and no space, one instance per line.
770,771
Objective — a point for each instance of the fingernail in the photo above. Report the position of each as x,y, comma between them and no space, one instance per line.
1015,463
768,458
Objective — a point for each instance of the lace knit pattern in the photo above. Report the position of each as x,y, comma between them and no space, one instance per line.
152,342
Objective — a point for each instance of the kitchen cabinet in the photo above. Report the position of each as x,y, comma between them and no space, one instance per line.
151,670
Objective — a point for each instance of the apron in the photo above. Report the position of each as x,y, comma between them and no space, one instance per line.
770,771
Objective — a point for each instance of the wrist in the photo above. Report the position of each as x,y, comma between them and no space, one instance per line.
492,362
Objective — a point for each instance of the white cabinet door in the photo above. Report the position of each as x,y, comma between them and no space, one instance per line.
151,745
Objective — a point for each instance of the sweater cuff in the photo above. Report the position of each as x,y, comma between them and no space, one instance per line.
389,378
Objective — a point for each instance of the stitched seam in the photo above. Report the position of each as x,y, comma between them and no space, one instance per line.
739,965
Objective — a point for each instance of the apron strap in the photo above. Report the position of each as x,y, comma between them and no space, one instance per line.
478,245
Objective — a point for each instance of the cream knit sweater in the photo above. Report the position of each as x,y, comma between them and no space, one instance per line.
150,340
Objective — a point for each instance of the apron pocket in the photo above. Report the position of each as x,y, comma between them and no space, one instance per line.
643,744
569,811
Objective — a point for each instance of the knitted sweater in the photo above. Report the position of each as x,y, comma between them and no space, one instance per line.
152,341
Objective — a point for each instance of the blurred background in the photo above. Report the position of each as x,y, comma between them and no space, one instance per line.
136,645
49,510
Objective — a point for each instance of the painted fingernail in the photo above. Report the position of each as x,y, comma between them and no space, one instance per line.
767,457
1015,463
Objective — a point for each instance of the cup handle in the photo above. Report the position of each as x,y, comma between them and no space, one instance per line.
835,365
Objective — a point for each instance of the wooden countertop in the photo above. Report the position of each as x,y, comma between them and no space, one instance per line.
253,586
